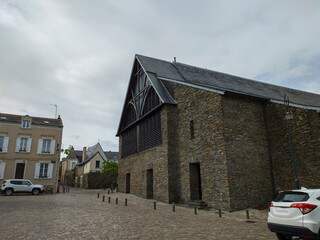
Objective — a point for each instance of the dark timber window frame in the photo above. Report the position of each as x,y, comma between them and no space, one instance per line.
140,126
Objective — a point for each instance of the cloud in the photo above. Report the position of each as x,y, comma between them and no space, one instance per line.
79,54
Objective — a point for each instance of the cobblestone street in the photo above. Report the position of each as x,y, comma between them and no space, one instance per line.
81,215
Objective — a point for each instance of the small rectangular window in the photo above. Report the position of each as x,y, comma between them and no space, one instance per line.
191,129
73,165
26,123
97,164
23,145
43,170
46,146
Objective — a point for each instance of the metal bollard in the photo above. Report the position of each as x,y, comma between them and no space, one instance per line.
109,199
247,212
195,210
173,208
220,212
116,200
103,198
154,205
63,189
68,189
98,195
126,202
108,191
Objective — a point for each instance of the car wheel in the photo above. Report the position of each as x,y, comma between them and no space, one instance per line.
282,237
35,191
8,192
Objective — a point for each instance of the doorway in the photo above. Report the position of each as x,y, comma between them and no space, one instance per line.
150,184
195,181
19,170
128,183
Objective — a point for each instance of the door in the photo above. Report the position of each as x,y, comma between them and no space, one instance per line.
150,184
195,181
19,170
128,183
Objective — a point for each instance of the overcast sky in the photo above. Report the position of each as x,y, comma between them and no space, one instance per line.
78,54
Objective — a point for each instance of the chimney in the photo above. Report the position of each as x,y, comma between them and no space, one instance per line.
72,149
59,118
84,153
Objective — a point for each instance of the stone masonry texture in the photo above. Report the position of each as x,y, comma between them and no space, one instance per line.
240,143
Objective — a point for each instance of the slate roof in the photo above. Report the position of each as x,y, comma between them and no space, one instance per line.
78,154
75,154
112,155
12,118
209,79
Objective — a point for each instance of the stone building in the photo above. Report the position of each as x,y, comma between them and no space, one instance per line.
188,133
83,168
30,149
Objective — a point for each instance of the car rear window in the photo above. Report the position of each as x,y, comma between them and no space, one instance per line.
292,197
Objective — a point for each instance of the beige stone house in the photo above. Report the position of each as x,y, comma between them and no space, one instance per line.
30,148
188,133
87,166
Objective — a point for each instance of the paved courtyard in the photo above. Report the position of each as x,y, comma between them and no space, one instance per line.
81,215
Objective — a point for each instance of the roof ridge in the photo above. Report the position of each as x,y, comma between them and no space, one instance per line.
19,115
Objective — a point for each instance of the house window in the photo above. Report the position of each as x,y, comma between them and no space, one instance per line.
26,123
43,170
191,129
23,145
73,165
46,146
1,143
97,164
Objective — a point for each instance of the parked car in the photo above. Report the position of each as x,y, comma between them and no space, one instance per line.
296,213
10,186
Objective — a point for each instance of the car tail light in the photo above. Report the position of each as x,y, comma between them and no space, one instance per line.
270,205
304,208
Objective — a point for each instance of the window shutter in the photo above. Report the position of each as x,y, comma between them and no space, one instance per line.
50,169
52,146
40,142
29,144
5,144
2,167
37,171
18,144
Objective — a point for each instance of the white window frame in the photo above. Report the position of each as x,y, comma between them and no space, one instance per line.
46,146
99,164
26,123
38,169
2,169
40,146
25,145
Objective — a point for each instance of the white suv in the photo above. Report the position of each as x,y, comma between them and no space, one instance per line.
296,213
20,185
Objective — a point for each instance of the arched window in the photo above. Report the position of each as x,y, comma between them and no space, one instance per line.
140,129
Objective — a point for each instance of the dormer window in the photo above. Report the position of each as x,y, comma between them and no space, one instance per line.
26,123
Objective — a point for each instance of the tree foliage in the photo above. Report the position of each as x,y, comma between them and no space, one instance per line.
109,168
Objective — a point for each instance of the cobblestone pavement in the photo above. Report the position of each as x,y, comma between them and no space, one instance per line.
81,215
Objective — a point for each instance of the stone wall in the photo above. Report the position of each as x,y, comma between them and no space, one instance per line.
240,143
305,132
247,151
69,178
137,165
96,180
206,148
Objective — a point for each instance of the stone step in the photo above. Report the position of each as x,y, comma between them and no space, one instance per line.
195,203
